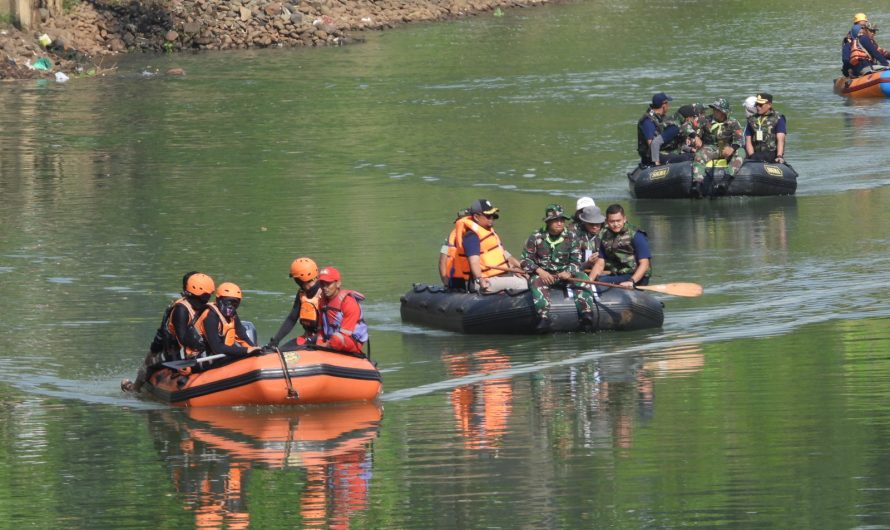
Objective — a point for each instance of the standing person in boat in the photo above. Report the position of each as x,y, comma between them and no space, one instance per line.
475,252
588,227
551,256
655,131
176,338
305,310
221,327
342,320
625,258
765,132
721,139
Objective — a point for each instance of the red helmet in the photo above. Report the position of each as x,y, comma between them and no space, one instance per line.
303,269
228,290
199,284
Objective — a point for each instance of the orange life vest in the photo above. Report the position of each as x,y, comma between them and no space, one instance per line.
857,52
226,329
491,251
309,316
185,351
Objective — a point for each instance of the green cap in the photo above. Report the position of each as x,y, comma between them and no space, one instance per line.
554,211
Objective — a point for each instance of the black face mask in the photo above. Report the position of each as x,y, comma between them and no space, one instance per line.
198,302
227,307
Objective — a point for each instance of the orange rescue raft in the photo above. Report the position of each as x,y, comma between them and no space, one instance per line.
317,376
874,85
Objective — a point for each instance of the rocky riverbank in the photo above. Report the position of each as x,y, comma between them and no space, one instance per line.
84,40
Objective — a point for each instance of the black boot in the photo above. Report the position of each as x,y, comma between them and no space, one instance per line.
695,192
589,322
543,325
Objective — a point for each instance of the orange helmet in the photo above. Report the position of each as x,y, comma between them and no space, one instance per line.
303,269
228,290
859,17
199,284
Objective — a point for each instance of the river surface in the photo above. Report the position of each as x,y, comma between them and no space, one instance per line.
763,403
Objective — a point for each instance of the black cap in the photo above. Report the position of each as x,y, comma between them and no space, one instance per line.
484,206
687,111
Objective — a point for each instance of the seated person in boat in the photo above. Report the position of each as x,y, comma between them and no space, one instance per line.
859,51
689,137
721,139
342,321
625,258
475,252
657,133
305,310
588,227
552,257
220,326
176,338
765,132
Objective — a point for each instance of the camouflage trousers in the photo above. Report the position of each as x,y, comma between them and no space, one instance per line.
710,152
584,301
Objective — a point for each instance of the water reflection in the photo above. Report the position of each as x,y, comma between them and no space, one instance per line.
212,454
480,410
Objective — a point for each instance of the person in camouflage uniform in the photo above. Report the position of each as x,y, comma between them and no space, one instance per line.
721,138
551,256
689,137
765,133
588,223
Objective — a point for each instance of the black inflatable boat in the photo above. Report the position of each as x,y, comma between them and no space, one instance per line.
510,312
673,181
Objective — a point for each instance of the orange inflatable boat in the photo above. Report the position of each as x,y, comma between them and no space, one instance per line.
874,85
312,376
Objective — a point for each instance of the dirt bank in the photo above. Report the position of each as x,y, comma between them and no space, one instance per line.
84,40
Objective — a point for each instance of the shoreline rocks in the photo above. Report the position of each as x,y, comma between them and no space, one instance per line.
96,29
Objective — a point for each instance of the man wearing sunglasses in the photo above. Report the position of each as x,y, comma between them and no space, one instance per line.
765,132
475,252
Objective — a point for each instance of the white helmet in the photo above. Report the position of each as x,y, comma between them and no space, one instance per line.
750,109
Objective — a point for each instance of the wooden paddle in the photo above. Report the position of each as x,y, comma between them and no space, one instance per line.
690,290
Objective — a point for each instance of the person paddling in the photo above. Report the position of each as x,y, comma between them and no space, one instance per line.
176,338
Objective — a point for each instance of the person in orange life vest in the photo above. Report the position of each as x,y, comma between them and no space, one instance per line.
342,322
221,327
304,272
176,338
476,252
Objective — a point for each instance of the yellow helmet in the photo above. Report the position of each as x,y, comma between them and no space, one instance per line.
859,17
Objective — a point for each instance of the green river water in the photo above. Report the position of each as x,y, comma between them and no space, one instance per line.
764,403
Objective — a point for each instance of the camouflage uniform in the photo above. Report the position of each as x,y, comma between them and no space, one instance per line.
590,243
716,136
767,125
555,255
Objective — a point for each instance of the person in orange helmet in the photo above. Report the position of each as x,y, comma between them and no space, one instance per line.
304,272
220,326
176,338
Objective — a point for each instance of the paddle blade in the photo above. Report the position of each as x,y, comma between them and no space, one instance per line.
690,290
